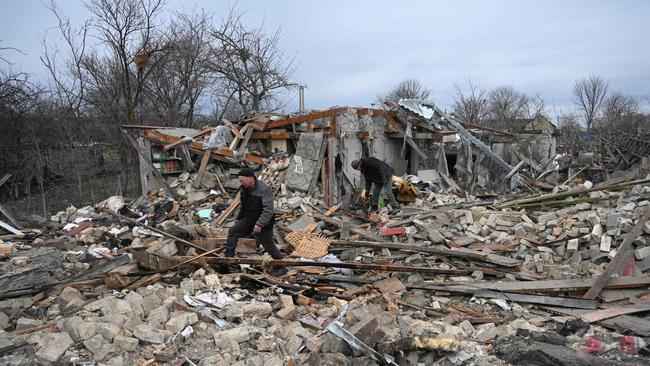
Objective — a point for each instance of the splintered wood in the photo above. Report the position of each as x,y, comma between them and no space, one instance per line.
307,244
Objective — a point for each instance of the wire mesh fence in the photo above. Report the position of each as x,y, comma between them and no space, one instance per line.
78,192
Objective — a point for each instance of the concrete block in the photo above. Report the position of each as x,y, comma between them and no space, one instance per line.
605,243
128,344
53,346
642,253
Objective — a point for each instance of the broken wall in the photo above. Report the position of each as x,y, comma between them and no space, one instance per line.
542,146
351,147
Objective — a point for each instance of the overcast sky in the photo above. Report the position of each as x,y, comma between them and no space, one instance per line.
348,52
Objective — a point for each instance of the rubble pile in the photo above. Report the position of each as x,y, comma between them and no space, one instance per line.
486,271
479,282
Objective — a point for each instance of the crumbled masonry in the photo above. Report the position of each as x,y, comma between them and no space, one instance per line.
493,262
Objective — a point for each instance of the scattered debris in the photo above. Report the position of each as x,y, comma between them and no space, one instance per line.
477,266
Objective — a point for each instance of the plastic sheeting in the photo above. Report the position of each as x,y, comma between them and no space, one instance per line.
220,137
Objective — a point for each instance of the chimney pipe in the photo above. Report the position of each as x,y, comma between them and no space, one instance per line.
302,98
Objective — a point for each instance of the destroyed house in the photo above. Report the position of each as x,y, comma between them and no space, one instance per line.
419,141
450,277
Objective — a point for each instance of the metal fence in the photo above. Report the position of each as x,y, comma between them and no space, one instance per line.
79,192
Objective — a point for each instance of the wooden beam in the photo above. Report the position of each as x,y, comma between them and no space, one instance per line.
146,166
304,118
238,138
545,286
436,136
337,223
204,164
603,314
11,229
275,135
602,280
328,113
540,299
187,139
244,143
478,127
226,213
352,265
198,148
235,131
8,215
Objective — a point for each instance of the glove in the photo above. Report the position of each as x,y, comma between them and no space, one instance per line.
362,196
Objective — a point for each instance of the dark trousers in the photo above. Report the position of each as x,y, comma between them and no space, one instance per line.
387,188
242,229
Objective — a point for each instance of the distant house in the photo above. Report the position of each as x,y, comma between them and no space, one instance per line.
536,140
537,124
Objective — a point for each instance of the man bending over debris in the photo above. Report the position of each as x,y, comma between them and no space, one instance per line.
380,174
255,215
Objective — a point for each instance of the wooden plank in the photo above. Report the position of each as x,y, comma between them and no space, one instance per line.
244,143
305,118
552,285
146,166
614,311
617,295
225,214
436,250
275,135
478,127
618,258
235,131
237,139
223,190
337,223
198,147
204,164
8,215
187,138
11,229
626,324
540,299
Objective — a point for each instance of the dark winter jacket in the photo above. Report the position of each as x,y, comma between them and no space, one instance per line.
375,171
257,204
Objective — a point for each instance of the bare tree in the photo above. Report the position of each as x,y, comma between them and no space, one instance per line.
588,95
16,92
618,107
69,83
406,89
177,84
506,104
250,64
470,106
130,45
536,105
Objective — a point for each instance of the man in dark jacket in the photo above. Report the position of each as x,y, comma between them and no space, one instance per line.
380,174
255,215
